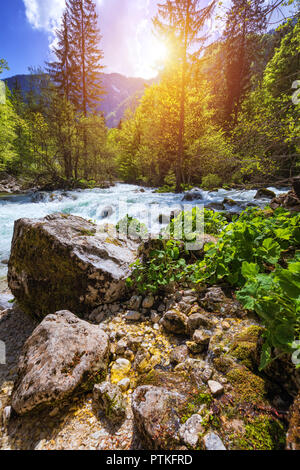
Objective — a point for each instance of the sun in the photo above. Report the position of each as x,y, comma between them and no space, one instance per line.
153,58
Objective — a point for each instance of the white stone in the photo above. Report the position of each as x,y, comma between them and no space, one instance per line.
213,442
190,430
216,388
6,415
124,384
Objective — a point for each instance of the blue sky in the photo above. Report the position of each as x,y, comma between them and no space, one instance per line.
21,45
27,32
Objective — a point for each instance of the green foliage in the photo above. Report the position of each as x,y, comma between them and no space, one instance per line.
168,265
211,181
247,256
258,237
163,268
267,130
3,65
131,227
276,299
7,134
189,225
194,404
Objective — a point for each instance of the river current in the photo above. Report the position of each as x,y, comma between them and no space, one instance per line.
107,205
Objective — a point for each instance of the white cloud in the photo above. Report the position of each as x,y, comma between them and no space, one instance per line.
125,26
44,14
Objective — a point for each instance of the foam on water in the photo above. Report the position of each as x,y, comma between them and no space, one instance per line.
89,204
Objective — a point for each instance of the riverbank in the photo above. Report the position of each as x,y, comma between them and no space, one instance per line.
189,354
12,185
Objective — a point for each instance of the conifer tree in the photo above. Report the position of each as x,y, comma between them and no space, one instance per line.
87,55
181,21
245,20
62,70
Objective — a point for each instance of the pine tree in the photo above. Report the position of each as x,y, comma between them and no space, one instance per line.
61,71
181,22
245,20
85,39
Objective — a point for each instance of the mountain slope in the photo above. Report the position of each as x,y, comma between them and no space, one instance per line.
121,91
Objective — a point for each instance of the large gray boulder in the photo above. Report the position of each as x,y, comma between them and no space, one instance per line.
63,356
156,413
63,262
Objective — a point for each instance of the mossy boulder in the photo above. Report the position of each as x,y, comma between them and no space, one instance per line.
109,398
159,404
247,387
262,433
156,416
265,193
63,262
246,347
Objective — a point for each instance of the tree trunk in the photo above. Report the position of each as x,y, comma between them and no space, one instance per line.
182,103
84,97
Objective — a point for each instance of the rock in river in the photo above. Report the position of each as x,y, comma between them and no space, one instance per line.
63,262
62,356
194,194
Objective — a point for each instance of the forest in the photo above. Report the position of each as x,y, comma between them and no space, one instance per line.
221,112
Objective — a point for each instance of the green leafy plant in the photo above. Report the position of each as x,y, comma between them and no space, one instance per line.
163,268
197,221
260,237
276,299
131,227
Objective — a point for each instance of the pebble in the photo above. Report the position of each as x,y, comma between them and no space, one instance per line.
225,325
213,442
148,302
114,308
124,384
135,302
190,430
200,337
6,415
54,412
207,374
154,316
120,370
121,346
133,316
216,388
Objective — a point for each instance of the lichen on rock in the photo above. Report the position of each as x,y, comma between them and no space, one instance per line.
63,262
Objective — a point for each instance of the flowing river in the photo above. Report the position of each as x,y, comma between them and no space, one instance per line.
107,205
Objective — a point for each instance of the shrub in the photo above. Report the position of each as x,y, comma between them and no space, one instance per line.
211,181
